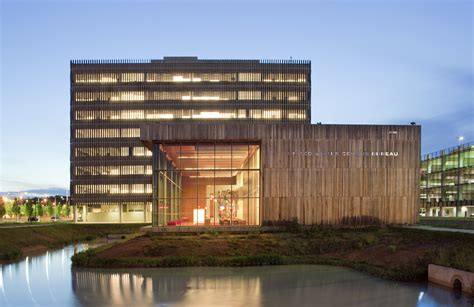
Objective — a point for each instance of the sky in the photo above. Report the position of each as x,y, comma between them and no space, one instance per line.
373,62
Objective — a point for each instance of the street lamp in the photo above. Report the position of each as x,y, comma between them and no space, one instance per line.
460,139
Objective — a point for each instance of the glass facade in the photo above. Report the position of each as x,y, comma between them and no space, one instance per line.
447,182
206,184
111,170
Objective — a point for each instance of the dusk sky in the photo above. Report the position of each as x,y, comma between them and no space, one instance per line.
373,62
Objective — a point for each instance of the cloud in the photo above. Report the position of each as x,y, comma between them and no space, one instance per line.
441,131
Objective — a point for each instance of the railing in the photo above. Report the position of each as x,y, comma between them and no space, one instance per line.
186,60
448,151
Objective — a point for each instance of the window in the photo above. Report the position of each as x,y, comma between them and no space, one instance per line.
113,188
97,78
250,95
250,77
256,114
207,184
271,114
107,133
133,77
190,77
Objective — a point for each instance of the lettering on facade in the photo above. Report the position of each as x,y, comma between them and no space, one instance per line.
345,153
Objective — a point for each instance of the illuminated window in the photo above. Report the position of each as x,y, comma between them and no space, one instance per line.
213,114
271,114
110,96
297,115
250,95
113,188
190,77
256,114
250,77
111,152
132,114
133,77
228,177
281,77
107,133
97,78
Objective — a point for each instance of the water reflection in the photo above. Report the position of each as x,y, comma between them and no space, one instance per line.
48,280
40,280
256,286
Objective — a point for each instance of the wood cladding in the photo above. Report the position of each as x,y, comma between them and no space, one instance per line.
322,174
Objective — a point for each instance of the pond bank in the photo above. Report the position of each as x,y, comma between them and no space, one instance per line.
390,253
18,242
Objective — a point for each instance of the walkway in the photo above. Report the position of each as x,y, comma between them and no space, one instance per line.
25,225
423,227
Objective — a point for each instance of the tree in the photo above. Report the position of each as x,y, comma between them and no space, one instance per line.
16,210
66,210
29,208
50,208
3,211
59,208
39,210
8,207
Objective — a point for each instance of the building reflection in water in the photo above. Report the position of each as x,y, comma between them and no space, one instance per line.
253,286
48,280
184,286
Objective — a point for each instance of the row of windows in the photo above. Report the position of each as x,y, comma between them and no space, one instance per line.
448,162
189,95
113,152
113,207
101,170
188,77
186,114
107,133
113,188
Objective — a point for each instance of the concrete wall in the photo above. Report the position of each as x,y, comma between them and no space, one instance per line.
446,276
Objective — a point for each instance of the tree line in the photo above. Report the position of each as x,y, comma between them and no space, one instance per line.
33,207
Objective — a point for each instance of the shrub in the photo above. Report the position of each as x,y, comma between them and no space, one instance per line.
392,249
370,239
294,226
358,221
13,254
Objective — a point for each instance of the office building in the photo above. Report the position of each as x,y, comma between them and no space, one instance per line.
182,141
447,182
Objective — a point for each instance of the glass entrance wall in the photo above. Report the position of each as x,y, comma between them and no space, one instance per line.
206,184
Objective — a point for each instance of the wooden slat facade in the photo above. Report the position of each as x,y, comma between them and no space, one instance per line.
299,180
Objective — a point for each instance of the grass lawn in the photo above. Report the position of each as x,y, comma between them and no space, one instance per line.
20,241
389,252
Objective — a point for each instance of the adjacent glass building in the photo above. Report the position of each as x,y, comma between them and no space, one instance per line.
447,182
111,170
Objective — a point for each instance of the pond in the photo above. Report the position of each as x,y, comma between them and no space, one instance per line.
49,280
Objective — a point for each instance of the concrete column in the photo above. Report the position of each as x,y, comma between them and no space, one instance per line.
84,213
120,212
75,213
144,211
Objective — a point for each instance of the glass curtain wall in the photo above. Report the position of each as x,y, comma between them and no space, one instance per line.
206,184
447,182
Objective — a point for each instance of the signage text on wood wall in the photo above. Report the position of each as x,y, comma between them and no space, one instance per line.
345,153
